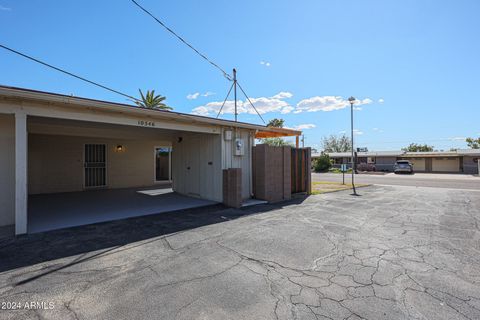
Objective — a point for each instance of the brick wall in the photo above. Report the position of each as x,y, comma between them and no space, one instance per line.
232,187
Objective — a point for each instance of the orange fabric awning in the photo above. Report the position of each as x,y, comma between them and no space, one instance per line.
273,132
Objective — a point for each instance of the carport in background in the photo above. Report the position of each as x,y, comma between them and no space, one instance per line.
446,164
418,164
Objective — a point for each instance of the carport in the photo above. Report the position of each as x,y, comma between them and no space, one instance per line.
84,172
83,160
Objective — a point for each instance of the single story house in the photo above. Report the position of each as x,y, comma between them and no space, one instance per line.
459,161
73,147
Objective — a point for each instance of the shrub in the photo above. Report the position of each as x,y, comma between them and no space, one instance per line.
322,163
365,167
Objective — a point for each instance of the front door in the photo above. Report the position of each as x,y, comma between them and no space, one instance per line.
95,165
163,157
193,167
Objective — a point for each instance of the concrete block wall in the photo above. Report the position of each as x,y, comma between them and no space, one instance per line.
55,163
232,187
272,179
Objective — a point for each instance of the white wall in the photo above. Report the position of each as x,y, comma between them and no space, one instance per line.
7,170
196,165
230,160
56,162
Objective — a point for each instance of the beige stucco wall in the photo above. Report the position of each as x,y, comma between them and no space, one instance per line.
7,170
55,163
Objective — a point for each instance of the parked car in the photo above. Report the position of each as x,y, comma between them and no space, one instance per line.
403,166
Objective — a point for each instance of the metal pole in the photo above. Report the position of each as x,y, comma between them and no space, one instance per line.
353,160
235,91
303,141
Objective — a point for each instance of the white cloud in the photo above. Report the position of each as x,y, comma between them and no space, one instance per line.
305,126
358,108
377,130
265,63
262,104
193,96
327,103
357,132
381,100
276,103
283,95
287,109
2,8
457,138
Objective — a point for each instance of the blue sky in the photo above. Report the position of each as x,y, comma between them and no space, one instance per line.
413,64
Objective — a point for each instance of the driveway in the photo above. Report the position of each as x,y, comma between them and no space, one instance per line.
434,180
392,253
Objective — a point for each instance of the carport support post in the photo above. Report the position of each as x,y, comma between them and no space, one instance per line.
20,173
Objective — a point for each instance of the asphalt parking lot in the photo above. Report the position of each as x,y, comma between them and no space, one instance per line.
434,180
392,253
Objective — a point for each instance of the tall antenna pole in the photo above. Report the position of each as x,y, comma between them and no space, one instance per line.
235,91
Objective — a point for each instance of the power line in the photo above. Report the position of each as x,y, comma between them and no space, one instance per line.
228,94
225,74
68,73
251,102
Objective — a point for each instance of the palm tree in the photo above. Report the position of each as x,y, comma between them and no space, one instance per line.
152,101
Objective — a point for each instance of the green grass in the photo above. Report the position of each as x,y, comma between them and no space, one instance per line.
336,170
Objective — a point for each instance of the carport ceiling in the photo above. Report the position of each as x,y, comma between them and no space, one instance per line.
44,125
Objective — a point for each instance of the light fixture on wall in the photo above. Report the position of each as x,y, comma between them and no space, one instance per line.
120,148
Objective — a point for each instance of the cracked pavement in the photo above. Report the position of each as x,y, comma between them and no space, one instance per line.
393,253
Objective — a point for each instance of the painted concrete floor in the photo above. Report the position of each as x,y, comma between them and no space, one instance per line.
61,210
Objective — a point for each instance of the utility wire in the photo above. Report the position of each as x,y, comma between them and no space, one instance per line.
68,73
225,74
251,102
228,94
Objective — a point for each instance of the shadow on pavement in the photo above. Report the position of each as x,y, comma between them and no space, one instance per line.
27,250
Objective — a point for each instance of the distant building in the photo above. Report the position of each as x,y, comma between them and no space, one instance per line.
459,161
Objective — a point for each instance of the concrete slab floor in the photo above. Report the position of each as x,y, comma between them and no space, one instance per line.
61,210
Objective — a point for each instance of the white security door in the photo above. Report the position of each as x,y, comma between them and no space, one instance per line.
95,165
446,164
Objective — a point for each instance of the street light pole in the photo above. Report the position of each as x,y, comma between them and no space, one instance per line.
352,101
